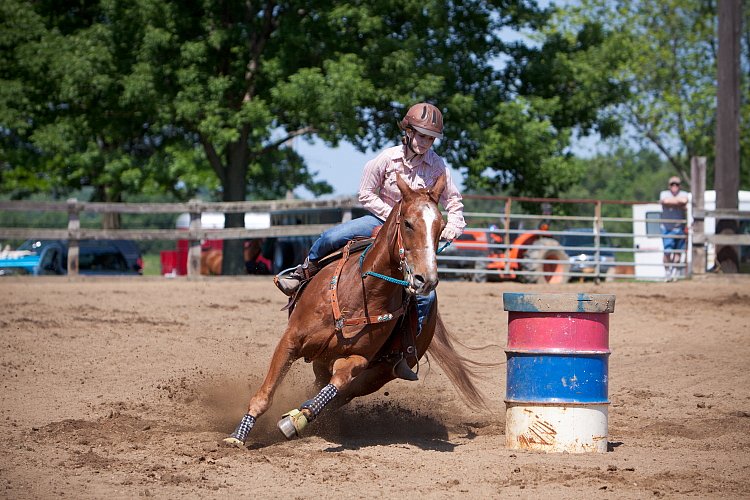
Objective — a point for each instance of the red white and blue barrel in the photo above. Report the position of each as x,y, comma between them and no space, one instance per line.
557,372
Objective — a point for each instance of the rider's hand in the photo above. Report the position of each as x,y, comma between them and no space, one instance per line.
449,234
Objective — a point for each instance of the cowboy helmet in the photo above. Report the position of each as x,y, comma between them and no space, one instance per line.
425,119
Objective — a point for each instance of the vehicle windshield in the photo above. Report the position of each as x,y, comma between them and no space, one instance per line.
583,241
33,245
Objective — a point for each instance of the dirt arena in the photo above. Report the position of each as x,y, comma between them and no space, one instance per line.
123,388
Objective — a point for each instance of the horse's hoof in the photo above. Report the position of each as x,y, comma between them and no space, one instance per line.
292,423
232,441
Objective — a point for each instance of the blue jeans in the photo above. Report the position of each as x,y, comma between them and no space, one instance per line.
671,243
336,237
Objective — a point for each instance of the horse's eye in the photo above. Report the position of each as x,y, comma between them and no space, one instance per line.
408,225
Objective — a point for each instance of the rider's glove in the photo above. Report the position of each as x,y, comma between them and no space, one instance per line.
449,234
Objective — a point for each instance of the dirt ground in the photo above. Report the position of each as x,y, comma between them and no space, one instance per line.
123,388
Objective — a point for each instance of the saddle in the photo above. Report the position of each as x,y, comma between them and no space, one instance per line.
402,339
355,246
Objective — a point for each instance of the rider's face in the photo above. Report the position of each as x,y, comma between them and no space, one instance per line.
420,143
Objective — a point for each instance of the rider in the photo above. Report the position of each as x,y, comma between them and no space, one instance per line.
419,166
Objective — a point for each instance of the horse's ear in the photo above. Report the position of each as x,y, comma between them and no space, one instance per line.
403,186
437,189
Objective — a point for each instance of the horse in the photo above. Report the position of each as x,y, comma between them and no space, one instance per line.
255,263
351,338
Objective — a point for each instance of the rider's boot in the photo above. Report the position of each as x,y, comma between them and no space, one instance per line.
402,370
288,282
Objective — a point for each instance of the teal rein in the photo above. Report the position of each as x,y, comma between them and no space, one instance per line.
386,278
445,245
389,278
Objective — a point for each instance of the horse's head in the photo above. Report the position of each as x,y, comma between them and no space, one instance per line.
419,230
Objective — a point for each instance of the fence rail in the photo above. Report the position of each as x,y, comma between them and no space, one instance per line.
503,253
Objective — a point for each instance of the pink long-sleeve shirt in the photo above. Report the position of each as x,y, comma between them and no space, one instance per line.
379,193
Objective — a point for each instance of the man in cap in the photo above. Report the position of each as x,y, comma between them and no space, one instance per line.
674,207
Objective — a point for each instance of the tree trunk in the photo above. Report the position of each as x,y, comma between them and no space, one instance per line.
110,220
234,190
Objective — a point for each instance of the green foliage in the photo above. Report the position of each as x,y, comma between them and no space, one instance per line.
623,175
202,98
668,69
547,93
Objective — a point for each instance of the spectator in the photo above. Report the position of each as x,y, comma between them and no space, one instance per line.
674,206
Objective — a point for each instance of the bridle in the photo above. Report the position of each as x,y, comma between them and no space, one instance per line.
403,264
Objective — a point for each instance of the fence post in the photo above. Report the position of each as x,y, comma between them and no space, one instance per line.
597,240
506,226
194,252
698,188
74,226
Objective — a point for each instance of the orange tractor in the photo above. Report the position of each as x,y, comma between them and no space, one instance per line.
547,260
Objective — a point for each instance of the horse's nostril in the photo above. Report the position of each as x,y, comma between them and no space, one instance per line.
418,280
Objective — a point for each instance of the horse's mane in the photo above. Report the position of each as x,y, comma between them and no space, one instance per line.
461,371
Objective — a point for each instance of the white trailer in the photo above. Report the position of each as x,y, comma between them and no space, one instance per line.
647,242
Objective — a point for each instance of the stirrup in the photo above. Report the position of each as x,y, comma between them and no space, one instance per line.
402,370
289,280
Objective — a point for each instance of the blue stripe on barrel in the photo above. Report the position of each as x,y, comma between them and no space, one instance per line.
572,377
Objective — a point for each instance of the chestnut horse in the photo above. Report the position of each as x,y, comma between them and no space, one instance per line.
211,259
354,356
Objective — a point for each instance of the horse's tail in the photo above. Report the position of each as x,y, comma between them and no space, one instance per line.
461,371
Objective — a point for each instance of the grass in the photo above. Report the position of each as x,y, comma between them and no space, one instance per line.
151,264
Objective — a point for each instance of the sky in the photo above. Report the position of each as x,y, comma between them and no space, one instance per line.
341,167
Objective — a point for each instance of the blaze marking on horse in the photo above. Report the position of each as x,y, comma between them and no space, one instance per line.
429,216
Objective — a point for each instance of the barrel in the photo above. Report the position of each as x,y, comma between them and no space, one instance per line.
557,354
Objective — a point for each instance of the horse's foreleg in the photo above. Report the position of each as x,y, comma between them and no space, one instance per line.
344,371
283,357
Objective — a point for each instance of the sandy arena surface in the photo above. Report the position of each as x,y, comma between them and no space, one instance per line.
123,388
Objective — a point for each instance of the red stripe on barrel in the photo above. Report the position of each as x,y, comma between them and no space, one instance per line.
575,332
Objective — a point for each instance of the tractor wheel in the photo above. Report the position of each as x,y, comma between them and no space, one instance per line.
554,272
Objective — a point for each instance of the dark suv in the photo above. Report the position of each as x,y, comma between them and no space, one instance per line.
581,251
95,257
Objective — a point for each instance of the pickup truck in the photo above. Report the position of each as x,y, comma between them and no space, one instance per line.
50,257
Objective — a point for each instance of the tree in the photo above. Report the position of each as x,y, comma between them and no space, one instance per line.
669,72
133,97
549,91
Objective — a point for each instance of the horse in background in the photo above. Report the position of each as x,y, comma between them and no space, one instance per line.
255,263
346,319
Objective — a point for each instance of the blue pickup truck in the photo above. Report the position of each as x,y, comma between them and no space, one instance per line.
95,257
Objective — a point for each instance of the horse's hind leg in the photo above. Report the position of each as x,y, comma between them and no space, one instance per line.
369,381
283,357
344,371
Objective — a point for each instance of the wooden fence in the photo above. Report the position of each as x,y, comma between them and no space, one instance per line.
195,233
699,237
